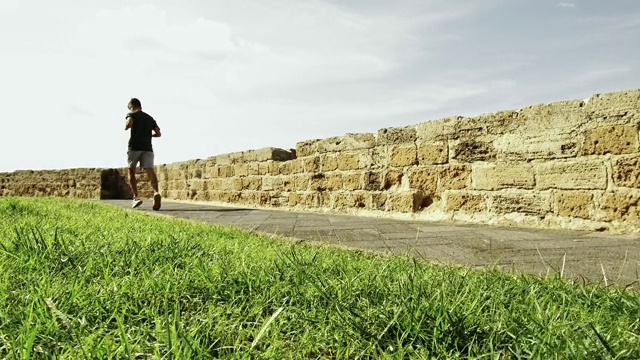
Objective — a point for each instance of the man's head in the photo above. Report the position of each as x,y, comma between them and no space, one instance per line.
134,105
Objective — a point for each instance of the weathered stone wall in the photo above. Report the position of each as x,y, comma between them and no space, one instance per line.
76,183
570,164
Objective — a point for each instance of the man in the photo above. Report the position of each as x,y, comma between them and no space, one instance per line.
143,128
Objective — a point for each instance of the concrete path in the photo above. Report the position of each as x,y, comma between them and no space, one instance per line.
586,256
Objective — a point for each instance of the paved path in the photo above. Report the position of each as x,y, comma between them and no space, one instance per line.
585,255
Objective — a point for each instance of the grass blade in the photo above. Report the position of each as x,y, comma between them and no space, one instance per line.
266,326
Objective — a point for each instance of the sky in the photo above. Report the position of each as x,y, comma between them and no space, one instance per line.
225,76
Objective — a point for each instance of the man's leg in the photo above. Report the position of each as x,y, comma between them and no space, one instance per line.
133,182
153,179
133,158
146,161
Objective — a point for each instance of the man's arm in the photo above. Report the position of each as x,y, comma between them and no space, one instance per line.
156,132
128,124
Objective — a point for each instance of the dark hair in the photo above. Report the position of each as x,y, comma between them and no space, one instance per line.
135,103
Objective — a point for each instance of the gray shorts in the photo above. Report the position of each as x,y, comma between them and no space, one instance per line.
145,158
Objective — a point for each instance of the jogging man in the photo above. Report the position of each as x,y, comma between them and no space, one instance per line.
143,128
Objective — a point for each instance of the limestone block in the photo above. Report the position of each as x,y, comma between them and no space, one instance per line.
613,139
431,153
454,177
621,206
554,144
236,157
214,184
615,108
248,197
198,184
294,199
347,142
178,184
297,166
236,184
485,127
311,164
406,202
230,196
470,150
466,128
464,201
209,173
268,153
376,200
207,195
177,175
270,183
436,130
626,171
349,200
301,182
241,170
223,159
348,161
318,182
372,180
367,159
284,168
392,178
263,168
183,195
497,123
307,148
196,167
571,175
254,168
210,161
359,199
403,155
273,167
288,183
328,163
341,200
225,171
574,203
263,198
424,179
315,200
252,183
543,131
352,181
535,203
502,175
334,181
396,135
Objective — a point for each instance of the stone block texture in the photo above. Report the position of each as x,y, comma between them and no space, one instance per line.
575,162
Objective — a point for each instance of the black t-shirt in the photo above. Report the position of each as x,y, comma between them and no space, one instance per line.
141,130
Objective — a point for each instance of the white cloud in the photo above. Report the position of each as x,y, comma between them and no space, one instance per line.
598,74
567,5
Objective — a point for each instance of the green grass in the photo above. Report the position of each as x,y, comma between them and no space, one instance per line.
85,280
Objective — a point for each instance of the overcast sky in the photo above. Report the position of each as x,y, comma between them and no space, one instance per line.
224,76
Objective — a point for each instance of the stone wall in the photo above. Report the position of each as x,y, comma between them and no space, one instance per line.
569,164
76,183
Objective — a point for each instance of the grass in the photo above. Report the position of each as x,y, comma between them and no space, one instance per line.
81,279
